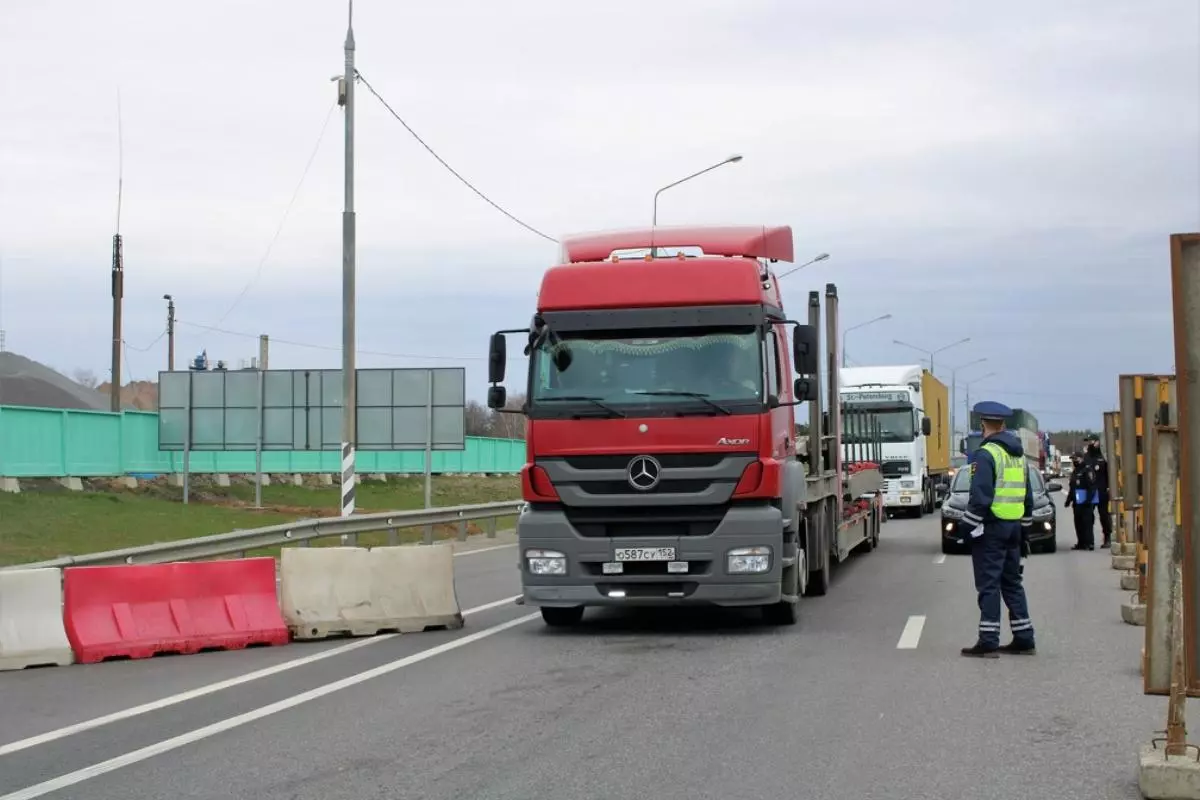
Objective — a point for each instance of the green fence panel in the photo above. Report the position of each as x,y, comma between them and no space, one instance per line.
51,443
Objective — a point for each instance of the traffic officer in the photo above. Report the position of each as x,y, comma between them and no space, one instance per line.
1099,465
1081,494
1000,509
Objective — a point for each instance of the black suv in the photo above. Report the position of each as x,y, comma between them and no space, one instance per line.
956,535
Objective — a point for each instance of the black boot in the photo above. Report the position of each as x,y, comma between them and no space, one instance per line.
1016,647
980,651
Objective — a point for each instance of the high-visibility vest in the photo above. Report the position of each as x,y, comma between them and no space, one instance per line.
1008,503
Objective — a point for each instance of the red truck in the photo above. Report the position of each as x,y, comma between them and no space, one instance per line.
663,466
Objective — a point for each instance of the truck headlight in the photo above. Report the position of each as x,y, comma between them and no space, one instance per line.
546,562
748,560
908,484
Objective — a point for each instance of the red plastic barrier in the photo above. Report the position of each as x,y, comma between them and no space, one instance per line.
141,610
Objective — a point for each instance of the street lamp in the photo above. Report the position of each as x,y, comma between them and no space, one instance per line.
856,327
968,384
820,257
954,390
730,160
931,353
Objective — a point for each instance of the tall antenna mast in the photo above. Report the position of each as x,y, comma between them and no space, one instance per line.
118,270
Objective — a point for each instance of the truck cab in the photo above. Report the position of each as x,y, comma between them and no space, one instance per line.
661,462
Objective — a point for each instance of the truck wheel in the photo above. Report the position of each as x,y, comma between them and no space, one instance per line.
783,612
818,581
562,617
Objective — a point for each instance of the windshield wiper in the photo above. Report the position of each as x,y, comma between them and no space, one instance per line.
698,395
585,399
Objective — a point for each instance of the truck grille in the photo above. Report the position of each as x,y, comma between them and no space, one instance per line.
684,479
625,521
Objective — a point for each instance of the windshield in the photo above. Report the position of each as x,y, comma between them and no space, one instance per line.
654,368
895,425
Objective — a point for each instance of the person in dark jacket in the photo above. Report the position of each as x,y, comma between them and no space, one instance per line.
1099,467
1000,511
1080,496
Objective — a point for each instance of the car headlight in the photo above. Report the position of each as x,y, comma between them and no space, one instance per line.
952,512
748,560
1043,511
546,562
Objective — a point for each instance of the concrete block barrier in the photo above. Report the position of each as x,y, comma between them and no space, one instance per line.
1124,563
1127,549
141,610
31,620
355,591
1163,777
1129,582
1134,613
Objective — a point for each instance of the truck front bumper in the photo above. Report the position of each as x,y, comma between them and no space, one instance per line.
707,580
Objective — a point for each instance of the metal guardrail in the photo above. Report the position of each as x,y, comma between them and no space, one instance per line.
299,532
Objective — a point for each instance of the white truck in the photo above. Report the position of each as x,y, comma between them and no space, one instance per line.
913,410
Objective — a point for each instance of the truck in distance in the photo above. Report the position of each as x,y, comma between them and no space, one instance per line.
914,411
662,465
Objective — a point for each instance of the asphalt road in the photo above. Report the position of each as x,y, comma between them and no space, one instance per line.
866,698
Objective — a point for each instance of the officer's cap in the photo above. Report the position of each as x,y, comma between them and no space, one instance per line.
1092,437
992,411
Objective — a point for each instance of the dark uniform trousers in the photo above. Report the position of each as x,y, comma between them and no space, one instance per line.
996,558
1105,516
1085,524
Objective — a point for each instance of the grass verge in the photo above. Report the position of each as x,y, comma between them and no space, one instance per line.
45,520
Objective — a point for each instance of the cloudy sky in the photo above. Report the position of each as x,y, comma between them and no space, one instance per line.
1008,174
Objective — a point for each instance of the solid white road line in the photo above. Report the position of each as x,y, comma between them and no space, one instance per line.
176,742
485,550
939,559
910,637
192,694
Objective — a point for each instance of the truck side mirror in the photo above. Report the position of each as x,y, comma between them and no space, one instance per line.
497,398
962,446
805,390
926,426
497,358
804,350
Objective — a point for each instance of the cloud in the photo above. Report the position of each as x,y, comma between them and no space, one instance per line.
1009,174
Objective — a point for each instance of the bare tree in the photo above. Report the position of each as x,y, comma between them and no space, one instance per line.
85,377
509,425
479,419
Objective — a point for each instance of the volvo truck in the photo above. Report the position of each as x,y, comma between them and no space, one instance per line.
662,459
914,410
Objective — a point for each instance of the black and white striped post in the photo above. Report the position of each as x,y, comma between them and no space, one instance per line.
349,395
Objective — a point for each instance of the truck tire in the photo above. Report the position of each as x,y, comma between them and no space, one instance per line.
818,580
783,612
562,617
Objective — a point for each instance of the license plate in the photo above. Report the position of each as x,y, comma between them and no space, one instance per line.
644,554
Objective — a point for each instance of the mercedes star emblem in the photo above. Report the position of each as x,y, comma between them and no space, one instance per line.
643,473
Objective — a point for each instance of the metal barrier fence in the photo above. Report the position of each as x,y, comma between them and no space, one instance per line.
55,443
301,532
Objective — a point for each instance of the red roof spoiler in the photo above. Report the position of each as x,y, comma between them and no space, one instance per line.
749,241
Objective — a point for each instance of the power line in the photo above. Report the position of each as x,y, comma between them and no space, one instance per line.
331,348
449,168
283,220
145,349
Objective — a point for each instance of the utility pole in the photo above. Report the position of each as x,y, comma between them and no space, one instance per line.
118,271
349,418
170,332
262,351
118,292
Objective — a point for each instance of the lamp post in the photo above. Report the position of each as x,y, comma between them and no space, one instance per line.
820,257
170,332
856,327
730,160
968,384
931,353
954,390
